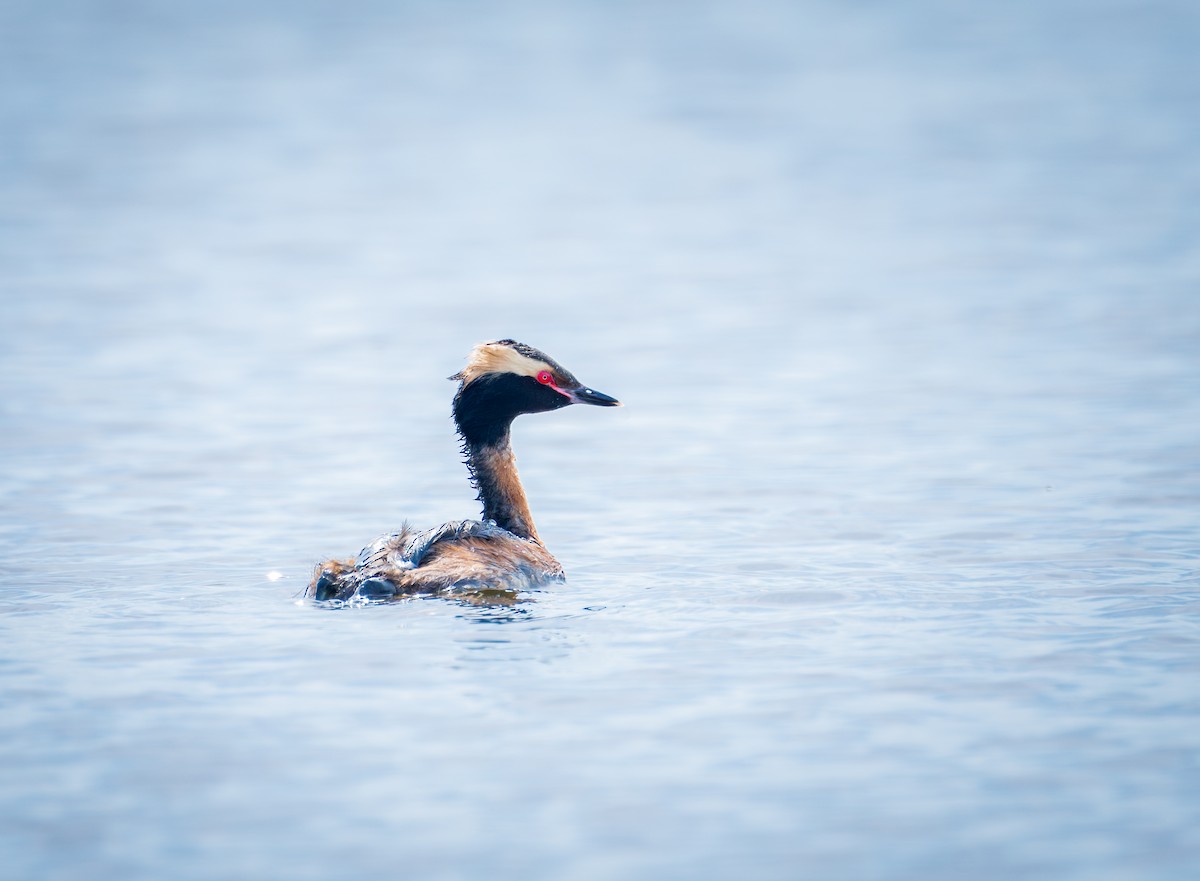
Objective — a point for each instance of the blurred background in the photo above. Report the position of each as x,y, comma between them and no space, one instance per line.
887,569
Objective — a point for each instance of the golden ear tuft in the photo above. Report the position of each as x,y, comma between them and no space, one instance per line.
498,358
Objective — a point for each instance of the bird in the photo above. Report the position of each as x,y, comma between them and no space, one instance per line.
502,552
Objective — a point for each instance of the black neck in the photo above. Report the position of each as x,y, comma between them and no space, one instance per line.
484,410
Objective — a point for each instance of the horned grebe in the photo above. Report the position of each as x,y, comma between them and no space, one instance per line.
502,552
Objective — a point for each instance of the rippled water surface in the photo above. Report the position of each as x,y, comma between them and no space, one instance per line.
887,569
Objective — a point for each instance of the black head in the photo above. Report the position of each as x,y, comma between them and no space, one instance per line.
504,379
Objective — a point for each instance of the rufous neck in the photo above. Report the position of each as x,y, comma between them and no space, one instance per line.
494,472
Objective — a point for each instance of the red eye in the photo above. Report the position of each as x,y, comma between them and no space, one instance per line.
545,378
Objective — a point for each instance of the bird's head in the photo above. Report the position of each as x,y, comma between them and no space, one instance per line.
504,379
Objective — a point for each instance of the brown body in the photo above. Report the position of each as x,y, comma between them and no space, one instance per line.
472,558
467,563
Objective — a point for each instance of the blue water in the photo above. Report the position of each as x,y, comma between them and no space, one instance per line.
888,568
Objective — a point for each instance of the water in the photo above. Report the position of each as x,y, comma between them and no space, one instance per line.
887,569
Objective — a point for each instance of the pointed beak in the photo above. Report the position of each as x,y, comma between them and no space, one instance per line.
583,395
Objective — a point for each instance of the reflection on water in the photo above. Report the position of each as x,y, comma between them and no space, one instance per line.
887,569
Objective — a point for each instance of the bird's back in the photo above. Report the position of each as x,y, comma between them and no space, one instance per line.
457,557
